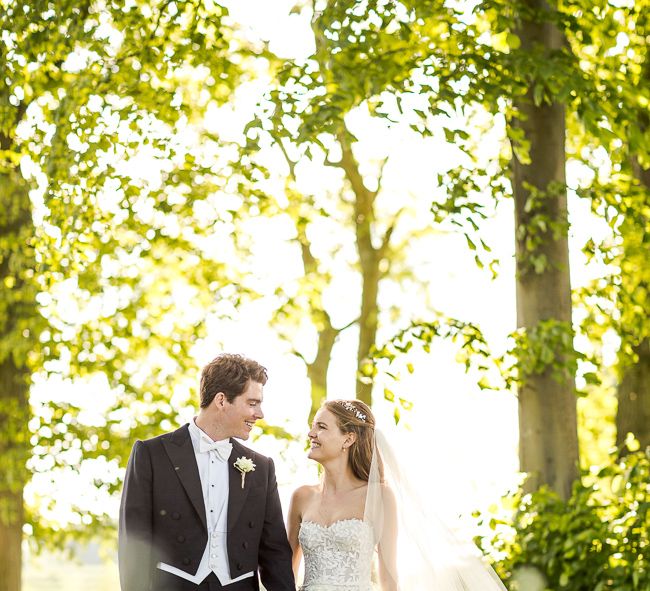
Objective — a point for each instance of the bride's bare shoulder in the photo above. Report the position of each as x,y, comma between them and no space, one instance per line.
301,498
305,491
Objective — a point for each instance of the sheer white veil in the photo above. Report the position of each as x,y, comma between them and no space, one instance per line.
415,549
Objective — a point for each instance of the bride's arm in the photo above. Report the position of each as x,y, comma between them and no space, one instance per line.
293,528
388,544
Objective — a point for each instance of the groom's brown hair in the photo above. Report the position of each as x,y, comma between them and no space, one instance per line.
229,373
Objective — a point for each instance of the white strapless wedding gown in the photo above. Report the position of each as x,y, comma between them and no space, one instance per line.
338,557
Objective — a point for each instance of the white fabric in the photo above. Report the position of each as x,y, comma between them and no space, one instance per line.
223,447
428,554
212,462
337,557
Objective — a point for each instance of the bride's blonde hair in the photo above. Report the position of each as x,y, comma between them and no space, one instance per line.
354,416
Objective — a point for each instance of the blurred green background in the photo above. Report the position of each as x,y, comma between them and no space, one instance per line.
439,207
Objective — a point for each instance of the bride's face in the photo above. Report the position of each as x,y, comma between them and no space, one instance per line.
325,437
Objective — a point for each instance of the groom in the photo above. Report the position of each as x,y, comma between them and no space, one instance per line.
199,510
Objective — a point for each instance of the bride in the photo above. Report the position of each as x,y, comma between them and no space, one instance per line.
363,527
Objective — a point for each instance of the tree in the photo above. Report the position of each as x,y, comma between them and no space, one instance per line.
633,415
305,118
613,47
85,86
548,439
512,61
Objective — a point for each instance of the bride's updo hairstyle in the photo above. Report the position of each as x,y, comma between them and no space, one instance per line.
354,416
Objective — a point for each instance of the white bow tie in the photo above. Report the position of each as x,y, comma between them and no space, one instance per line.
223,448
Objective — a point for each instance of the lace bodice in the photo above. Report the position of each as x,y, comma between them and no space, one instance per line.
338,557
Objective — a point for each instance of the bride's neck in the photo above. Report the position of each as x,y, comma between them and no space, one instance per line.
338,478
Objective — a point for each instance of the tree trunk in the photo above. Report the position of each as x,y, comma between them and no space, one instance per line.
633,414
368,319
11,536
17,314
548,441
317,370
369,259
369,255
13,455
327,334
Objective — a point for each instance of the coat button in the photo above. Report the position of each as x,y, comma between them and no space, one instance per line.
180,539
244,545
176,515
239,567
251,524
186,561
163,512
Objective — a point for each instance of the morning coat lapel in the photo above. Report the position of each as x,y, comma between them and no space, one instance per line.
236,494
180,450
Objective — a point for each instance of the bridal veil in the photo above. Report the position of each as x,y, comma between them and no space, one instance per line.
427,554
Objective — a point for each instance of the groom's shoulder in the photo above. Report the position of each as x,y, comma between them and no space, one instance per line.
164,437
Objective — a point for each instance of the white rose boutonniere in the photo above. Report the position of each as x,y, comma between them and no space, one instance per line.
244,465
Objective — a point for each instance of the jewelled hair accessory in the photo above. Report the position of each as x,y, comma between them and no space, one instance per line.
353,409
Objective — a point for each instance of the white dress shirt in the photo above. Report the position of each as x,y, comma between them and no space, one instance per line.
213,472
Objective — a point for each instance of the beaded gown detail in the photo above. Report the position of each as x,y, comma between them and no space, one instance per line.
338,557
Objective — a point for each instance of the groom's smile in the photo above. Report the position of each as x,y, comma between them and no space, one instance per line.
239,416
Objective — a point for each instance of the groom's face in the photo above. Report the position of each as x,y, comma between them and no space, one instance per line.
239,416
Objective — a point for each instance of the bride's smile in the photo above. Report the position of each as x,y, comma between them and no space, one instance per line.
327,443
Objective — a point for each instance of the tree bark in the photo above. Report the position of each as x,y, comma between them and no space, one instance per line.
633,414
548,442
17,316
370,258
13,455
317,369
327,334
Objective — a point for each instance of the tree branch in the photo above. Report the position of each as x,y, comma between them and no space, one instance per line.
350,166
380,176
348,325
290,163
383,249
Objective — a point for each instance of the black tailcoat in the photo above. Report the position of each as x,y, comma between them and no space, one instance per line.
162,515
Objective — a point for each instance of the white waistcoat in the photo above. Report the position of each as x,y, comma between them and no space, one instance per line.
213,471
